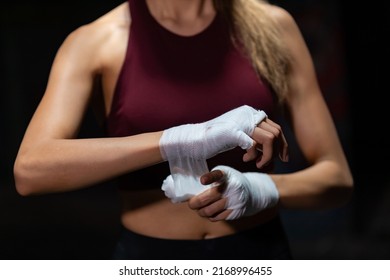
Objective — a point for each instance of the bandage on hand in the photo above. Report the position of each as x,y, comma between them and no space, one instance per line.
242,193
187,147
247,193
204,140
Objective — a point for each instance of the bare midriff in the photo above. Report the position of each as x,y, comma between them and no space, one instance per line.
150,213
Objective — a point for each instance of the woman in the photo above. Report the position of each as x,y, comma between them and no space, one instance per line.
166,63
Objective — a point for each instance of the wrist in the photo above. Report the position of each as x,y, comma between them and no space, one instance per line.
264,193
178,142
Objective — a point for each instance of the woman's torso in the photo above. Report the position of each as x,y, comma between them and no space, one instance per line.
145,208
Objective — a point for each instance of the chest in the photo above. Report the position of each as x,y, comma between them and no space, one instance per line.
167,80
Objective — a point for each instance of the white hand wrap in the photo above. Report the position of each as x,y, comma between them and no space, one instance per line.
204,140
247,193
187,147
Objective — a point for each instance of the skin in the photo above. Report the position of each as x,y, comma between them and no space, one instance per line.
52,159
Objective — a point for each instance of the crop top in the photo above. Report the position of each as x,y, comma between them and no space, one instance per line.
168,79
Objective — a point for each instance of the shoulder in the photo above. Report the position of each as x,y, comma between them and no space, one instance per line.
280,16
288,29
93,38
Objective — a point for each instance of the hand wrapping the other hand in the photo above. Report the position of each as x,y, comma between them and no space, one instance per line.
187,147
234,194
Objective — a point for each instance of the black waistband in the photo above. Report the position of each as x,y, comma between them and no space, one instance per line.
265,241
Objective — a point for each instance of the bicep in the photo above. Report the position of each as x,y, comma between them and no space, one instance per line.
66,97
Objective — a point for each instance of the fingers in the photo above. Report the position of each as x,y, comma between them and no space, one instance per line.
270,140
215,211
211,204
266,150
212,177
251,154
277,131
206,198
221,216
244,140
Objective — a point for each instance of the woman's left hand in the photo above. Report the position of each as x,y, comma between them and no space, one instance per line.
270,141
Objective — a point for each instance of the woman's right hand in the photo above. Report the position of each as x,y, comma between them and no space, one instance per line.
202,141
244,126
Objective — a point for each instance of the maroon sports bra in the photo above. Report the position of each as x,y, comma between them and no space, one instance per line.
168,80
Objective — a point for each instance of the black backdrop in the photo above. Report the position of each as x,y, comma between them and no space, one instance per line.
350,56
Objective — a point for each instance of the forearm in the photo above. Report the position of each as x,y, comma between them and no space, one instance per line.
321,186
67,164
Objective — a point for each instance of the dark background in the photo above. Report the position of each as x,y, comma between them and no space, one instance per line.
347,44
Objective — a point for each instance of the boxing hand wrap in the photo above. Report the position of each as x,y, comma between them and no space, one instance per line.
187,147
184,181
247,193
204,140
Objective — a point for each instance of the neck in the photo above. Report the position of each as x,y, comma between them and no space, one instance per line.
181,10
183,17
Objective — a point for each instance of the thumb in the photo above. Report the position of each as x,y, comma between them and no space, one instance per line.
244,140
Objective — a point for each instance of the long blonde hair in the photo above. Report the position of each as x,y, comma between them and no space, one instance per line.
256,31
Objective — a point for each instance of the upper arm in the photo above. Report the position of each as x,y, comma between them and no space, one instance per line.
68,90
311,120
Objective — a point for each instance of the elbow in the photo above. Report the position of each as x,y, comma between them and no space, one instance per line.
349,193
24,181
343,190
348,186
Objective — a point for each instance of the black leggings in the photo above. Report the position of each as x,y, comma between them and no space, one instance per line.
266,241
